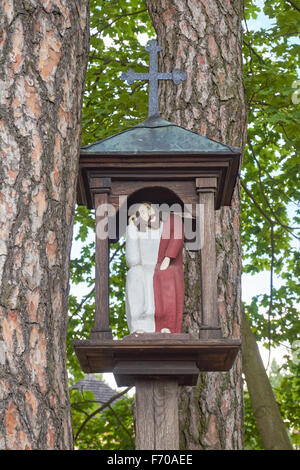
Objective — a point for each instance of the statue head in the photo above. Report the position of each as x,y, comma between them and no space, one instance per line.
146,211
146,215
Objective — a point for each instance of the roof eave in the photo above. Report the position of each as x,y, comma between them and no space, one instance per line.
233,151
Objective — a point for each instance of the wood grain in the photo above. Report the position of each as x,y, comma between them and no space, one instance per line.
185,190
209,355
144,419
102,329
162,168
157,426
206,188
126,372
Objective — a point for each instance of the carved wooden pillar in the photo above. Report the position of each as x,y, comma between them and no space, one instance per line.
100,188
210,329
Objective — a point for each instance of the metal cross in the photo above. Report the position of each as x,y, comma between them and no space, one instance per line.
153,76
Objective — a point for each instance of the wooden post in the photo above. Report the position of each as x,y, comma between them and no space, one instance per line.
206,188
100,187
157,426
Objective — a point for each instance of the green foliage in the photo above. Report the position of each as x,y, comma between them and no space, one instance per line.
270,176
109,429
286,385
270,200
116,29
252,440
117,278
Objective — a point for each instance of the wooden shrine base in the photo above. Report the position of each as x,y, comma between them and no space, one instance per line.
156,356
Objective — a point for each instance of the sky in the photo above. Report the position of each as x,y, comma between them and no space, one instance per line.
251,284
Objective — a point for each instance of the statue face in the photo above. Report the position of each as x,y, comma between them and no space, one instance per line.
145,212
146,216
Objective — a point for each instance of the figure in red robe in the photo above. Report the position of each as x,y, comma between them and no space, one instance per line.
155,280
168,283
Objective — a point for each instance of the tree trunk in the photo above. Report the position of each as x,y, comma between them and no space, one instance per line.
44,51
266,412
204,39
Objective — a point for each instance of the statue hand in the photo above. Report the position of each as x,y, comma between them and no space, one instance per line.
165,263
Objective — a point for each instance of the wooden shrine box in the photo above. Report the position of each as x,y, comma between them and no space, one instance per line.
159,162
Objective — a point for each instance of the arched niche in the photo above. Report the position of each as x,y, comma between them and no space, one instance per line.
165,197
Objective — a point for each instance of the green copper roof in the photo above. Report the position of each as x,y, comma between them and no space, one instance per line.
157,136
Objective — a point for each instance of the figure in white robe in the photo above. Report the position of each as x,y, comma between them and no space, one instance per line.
141,256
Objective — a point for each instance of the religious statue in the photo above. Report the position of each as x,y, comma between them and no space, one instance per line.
155,281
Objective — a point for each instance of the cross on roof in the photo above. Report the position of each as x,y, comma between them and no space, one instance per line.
153,76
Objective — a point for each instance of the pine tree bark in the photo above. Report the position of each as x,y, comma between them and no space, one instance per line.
44,51
204,39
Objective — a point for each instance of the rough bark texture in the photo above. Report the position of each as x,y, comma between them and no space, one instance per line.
204,38
44,50
266,412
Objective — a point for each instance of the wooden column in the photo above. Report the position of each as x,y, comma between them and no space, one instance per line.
210,329
100,188
157,426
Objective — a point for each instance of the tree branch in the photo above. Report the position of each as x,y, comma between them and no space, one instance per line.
271,293
258,206
121,424
123,15
74,405
98,410
108,60
286,227
251,60
116,251
285,133
256,203
293,5
136,87
251,49
87,296
268,174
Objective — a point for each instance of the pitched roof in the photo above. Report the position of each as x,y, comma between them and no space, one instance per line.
102,392
157,136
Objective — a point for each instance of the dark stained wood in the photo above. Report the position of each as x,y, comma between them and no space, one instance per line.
206,187
128,372
185,190
144,337
207,183
209,355
157,425
160,167
100,184
81,190
144,416
101,329
166,415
